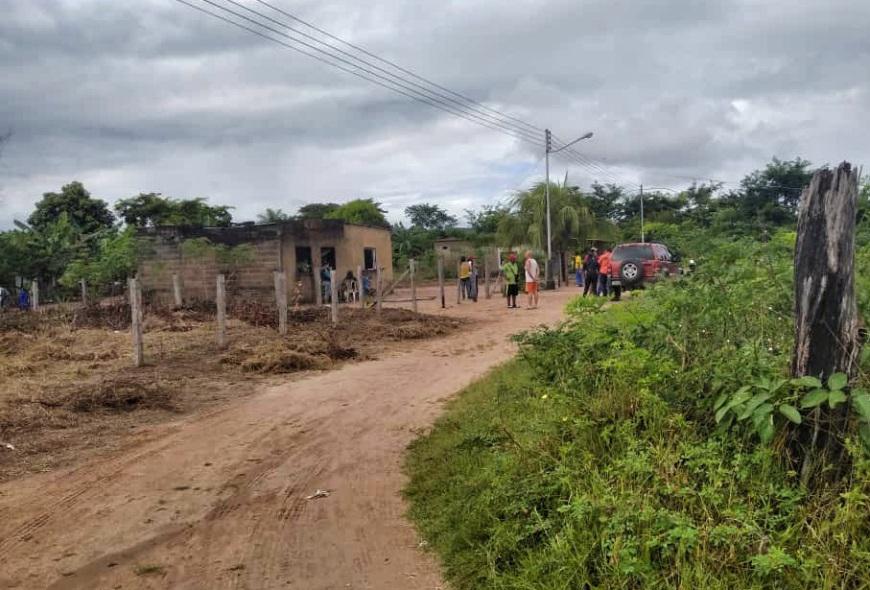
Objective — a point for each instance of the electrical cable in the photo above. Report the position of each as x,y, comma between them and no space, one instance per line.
367,75
401,69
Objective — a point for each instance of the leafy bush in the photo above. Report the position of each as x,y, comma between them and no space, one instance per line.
596,459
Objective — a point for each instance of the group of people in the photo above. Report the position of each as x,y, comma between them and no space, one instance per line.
511,273
23,298
592,273
348,288
468,275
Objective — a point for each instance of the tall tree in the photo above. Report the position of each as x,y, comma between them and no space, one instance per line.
605,201
571,221
771,195
486,220
429,217
316,210
361,211
84,214
153,209
273,216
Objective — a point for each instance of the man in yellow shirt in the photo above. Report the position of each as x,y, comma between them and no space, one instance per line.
464,276
578,269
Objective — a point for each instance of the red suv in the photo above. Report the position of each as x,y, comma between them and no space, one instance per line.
633,265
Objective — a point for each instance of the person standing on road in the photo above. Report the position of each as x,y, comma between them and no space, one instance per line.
578,269
533,272
464,275
23,299
511,272
472,279
604,268
590,269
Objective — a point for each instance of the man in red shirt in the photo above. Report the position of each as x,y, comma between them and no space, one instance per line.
604,266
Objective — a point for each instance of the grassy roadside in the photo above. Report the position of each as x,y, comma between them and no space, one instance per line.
593,461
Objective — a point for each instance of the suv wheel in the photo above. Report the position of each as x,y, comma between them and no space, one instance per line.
631,272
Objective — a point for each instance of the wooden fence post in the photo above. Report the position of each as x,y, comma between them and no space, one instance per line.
176,290
486,276
441,281
360,287
281,301
333,296
318,287
136,322
34,295
413,264
84,285
221,301
826,315
380,287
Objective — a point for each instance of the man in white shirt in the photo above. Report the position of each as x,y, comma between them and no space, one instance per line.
532,275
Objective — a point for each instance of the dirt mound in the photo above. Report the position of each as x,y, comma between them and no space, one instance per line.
115,316
120,394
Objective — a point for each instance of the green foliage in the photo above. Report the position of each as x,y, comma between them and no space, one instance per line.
43,253
572,222
603,457
429,217
486,220
273,216
115,261
152,209
84,213
360,211
316,210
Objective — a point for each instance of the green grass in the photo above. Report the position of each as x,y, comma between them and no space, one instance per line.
593,460
514,491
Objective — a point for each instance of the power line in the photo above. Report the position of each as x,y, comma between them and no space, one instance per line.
360,71
400,68
474,108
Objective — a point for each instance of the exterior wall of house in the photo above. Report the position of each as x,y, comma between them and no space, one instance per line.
249,255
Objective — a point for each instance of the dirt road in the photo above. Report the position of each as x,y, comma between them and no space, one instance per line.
218,500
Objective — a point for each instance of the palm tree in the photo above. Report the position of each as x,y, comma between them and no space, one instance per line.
572,223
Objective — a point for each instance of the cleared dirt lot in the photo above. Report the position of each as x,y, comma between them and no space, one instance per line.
218,498
67,386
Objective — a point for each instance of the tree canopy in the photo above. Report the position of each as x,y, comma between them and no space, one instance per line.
273,216
84,213
360,211
153,209
429,217
316,210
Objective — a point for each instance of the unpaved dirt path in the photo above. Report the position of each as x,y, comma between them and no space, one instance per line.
218,500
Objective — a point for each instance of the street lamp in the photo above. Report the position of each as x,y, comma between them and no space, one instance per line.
548,147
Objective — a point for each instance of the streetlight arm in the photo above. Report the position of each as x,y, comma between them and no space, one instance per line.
567,145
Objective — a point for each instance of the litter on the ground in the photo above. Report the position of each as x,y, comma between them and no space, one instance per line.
319,494
7,446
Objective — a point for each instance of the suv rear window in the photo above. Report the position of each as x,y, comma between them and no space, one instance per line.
636,252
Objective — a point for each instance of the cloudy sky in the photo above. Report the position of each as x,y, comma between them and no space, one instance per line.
134,96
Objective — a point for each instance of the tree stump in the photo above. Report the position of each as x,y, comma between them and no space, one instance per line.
826,315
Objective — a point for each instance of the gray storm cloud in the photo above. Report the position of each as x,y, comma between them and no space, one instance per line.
153,96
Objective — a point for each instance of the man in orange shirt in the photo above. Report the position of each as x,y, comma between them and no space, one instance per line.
604,266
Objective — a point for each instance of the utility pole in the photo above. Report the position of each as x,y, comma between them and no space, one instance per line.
642,236
548,149
548,145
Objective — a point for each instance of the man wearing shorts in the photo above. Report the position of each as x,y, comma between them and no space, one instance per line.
511,272
532,274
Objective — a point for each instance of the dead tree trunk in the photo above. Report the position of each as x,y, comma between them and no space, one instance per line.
826,316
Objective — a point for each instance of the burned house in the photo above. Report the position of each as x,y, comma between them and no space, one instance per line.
249,254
